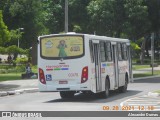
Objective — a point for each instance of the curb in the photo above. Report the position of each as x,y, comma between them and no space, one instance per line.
146,77
20,91
3,93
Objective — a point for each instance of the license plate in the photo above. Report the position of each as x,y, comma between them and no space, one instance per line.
63,82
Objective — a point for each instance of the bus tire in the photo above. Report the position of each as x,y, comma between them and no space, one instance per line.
67,94
105,94
123,89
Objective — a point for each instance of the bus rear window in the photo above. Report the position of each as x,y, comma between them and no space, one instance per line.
58,47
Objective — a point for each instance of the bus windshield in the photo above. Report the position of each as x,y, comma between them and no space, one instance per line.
58,47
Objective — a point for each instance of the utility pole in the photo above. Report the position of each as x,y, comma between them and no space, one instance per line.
152,52
19,33
66,16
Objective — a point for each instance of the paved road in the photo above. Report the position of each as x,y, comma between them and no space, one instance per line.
52,100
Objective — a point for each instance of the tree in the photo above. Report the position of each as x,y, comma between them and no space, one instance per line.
154,14
54,15
78,16
15,36
119,18
107,17
4,33
154,17
27,14
13,49
2,50
137,24
2,4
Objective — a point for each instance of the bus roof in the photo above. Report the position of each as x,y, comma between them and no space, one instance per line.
90,36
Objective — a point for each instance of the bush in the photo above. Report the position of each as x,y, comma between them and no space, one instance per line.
12,70
23,60
3,71
21,68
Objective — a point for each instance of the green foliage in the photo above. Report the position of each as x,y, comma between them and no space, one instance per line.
4,33
15,36
20,68
145,61
135,46
12,49
34,68
29,14
2,3
77,28
154,14
11,69
54,15
137,24
78,16
116,17
22,60
3,71
2,50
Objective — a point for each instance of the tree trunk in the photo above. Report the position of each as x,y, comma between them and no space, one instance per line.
147,46
142,51
34,52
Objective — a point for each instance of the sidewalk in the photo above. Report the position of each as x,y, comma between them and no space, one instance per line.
18,86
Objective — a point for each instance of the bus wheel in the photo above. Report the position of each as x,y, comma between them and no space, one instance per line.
124,88
67,94
105,94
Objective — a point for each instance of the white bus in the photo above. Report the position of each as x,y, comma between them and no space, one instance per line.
72,62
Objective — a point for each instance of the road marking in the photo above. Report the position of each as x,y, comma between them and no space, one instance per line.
142,101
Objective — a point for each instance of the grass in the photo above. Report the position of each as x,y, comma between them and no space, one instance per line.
138,67
10,76
146,74
9,72
157,91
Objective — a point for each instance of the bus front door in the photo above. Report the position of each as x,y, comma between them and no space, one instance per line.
96,55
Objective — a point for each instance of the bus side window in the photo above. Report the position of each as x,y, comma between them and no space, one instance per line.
102,51
108,51
91,51
119,51
124,50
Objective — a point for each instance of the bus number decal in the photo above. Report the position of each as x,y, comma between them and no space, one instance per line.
73,75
